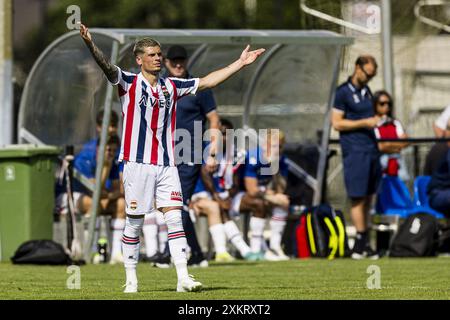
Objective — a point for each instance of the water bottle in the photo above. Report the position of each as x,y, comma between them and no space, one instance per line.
297,210
102,246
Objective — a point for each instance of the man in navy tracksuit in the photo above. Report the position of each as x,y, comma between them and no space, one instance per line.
353,116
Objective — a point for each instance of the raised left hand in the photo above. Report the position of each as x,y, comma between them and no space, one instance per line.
248,57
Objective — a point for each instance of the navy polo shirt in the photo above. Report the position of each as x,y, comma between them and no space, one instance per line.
192,108
356,103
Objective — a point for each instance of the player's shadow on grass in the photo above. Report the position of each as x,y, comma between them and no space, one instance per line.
203,289
233,264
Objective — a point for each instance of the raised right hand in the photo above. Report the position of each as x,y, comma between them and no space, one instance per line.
84,32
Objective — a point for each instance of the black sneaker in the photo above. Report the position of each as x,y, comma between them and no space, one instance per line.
371,254
163,261
197,260
367,252
153,259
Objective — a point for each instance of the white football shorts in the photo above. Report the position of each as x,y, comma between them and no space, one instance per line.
144,183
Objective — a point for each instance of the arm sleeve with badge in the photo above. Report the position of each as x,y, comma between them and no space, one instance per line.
124,81
185,86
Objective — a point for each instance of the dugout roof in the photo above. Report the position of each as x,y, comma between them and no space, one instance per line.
290,87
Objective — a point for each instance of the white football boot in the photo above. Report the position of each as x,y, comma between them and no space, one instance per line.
189,285
131,287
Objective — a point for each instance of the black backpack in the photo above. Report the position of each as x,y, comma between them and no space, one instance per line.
418,236
41,252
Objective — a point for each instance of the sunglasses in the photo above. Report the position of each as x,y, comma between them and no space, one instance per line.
384,103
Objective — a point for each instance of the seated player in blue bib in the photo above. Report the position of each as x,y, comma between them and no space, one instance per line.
263,182
111,200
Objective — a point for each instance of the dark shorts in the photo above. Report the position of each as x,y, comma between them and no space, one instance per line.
440,201
188,179
362,173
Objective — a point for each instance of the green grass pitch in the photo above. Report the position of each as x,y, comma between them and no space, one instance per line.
424,278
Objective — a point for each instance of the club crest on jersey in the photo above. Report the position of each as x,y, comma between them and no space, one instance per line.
133,205
166,103
176,196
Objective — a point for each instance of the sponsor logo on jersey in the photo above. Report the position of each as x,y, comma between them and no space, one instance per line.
176,196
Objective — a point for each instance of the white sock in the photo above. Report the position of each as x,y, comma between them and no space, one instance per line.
117,226
234,235
150,230
131,276
218,237
130,246
177,242
257,228
162,231
277,224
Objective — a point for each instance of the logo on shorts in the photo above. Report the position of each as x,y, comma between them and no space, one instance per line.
176,196
133,205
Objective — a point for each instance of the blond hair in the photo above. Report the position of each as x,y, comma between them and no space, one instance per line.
272,132
140,45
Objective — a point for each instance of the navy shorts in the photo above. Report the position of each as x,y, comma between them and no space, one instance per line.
362,173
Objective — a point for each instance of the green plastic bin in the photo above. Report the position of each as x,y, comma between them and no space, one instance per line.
27,183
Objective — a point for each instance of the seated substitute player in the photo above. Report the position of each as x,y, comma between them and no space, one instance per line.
268,190
112,201
88,153
149,103
215,192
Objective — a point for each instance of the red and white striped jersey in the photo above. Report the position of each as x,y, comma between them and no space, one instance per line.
149,116
389,129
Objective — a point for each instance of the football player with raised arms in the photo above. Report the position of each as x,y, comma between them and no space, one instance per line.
149,103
